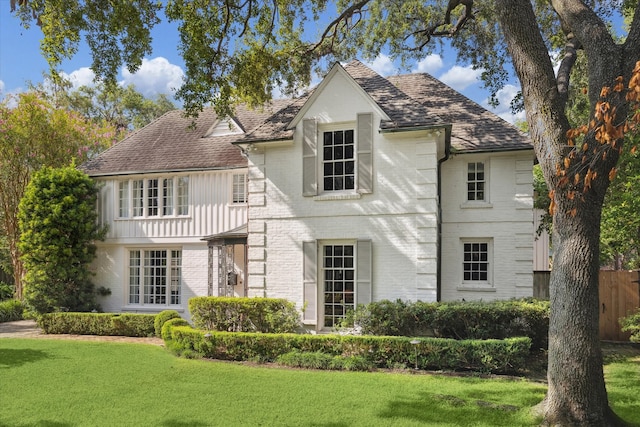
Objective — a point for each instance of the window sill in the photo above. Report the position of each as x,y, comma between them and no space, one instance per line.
476,205
476,288
151,308
338,196
142,218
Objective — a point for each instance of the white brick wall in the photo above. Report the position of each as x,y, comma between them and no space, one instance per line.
506,220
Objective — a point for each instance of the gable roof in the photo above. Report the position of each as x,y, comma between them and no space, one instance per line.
171,144
410,101
475,129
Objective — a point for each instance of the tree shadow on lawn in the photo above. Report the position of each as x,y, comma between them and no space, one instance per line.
12,358
43,423
452,410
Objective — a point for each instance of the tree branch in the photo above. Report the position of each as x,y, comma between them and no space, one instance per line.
433,31
331,32
571,55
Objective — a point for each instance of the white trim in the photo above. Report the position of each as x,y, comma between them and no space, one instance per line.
337,68
477,285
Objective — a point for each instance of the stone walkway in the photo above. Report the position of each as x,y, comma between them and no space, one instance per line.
29,329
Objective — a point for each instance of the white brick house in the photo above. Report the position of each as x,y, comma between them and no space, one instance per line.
366,188
370,188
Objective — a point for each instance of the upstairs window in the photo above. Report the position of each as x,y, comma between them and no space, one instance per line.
476,182
338,160
153,197
239,191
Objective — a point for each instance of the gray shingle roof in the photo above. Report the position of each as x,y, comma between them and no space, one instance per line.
170,143
410,101
474,128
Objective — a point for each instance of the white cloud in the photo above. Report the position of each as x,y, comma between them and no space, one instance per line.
382,65
80,77
430,64
1,86
155,76
505,95
459,78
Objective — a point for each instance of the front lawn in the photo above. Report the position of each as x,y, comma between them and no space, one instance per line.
76,383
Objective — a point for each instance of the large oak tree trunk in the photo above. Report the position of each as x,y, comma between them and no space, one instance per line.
576,393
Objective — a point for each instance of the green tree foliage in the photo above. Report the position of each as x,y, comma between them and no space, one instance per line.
122,107
240,50
58,227
34,134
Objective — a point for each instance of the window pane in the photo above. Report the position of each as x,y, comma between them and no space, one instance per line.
338,161
167,196
475,266
138,197
183,196
338,283
134,277
152,197
123,196
475,181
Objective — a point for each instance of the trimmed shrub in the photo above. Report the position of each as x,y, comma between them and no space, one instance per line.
499,356
631,324
130,325
161,318
458,320
230,314
319,360
11,310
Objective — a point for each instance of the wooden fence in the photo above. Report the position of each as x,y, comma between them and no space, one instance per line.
619,296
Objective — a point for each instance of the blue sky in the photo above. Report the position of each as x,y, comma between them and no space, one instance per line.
21,62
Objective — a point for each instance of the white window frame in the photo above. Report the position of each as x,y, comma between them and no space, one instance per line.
239,188
470,283
476,182
337,127
140,291
138,198
323,292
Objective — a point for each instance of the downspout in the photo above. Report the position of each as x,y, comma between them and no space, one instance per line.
447,153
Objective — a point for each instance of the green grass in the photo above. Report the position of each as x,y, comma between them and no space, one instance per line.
78,383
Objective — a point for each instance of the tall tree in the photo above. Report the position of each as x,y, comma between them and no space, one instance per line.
238,50
58,228
33,134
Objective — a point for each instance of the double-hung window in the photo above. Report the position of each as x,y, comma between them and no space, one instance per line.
476,261
338,160
155,277
337,157
239,188
153,197
476,183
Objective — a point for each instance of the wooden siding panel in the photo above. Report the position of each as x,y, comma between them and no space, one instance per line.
210,210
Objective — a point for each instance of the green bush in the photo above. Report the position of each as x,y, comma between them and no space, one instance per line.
319,360
11,310
167,327
6,291
269,315
130,325
458,320
631,324
161,318
499,356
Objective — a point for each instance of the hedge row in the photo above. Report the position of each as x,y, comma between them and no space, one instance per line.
11,310
128,325
269,315
498,356
458,320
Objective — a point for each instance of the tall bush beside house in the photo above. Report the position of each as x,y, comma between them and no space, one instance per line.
58,225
